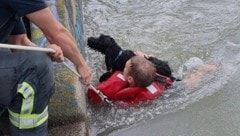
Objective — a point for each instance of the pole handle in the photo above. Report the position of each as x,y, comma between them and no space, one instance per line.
31,48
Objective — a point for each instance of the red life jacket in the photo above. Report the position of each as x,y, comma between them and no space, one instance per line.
117,89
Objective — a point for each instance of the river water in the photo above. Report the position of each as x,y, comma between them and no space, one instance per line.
186,33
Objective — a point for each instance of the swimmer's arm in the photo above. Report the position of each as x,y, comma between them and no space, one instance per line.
194,78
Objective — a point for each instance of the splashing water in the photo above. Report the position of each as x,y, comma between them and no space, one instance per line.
186,33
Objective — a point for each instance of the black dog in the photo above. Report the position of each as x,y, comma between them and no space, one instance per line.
116,57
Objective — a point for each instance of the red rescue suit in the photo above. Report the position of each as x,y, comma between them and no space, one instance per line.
116,88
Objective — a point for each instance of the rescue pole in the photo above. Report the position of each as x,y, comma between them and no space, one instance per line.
30,48
49,50
98,92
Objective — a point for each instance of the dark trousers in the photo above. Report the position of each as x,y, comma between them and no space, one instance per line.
32,67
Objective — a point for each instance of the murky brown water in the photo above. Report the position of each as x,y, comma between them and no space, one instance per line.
176,31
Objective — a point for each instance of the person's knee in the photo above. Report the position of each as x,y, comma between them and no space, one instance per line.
44,69
42,65
41,62
40,59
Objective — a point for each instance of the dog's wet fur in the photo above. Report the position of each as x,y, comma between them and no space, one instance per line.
116,57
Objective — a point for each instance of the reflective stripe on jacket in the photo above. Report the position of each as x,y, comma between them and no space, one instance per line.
25,119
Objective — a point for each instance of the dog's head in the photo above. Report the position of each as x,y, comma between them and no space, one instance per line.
104,44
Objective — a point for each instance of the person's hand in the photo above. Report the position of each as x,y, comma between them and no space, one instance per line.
86,75
207,68
57,55
139,53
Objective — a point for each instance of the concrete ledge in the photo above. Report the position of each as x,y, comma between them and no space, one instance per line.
67,108
76,129
68,104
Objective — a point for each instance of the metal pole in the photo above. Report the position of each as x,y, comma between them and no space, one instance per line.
31,48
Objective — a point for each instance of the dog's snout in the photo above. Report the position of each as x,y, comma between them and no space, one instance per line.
91,40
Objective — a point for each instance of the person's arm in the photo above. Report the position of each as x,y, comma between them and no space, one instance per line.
19,37
57,34
22,39
140,53
193,79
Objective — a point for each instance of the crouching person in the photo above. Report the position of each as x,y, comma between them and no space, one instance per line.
27,83
26,78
